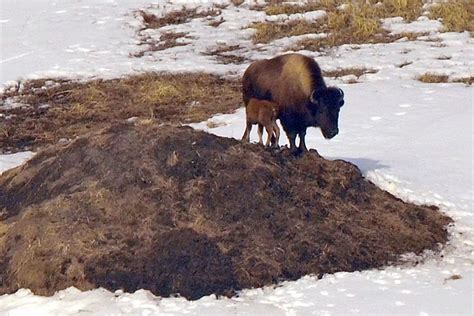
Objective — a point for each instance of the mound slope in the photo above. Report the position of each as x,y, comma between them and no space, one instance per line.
175,210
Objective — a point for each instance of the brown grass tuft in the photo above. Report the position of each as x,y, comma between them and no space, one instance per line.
348,71
216,22
167,40
237,2
456,16
466,80
75,108
222,54
292,8
175,17
266,32
438,78
433,78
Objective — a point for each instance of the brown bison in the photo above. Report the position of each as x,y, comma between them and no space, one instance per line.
295,83
264,113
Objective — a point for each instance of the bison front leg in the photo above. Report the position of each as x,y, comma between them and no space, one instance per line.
292,139
302,135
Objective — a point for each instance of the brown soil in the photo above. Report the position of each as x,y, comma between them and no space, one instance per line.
175,210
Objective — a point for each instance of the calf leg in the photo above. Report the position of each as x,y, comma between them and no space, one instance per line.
246,137
276,131
260,134
269,129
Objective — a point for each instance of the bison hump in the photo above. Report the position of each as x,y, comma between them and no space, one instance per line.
297,70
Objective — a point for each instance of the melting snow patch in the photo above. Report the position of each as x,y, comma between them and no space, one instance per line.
422,25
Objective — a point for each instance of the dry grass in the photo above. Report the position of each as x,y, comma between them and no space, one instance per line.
430,77
222,54
266,32
175,17
433,78
216,22
358,22
167,40
456,16
466,80
348,71
294,8
237,2
75,108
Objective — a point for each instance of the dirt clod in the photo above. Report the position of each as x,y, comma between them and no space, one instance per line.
175,210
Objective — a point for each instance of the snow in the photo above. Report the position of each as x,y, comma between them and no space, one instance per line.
413,139
13,160
422,25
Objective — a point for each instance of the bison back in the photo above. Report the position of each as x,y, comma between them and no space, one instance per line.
287,80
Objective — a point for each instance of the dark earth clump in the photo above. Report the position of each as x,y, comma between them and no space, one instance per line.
175,210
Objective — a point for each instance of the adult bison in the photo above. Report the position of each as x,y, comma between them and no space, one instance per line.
295,83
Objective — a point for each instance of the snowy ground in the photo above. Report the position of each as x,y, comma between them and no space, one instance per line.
410,138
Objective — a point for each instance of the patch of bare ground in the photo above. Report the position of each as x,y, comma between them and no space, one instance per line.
266,32
348,71
430,77
466,80
354,73
223,54
433,78
167,40
69,109
174,210
184,15
216,22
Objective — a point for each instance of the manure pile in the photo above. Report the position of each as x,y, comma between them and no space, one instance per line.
174,210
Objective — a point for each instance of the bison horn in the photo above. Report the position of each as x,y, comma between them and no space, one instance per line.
341,92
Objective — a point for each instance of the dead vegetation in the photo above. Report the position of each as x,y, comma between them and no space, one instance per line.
266,32
348,71
274,9
167,40
223,54
466,80
354,23
456,15
174,210
433,78
430,77
184,15
75,108
216,22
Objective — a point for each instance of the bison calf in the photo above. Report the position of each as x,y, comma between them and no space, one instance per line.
264,113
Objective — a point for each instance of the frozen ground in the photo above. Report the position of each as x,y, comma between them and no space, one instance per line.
413,139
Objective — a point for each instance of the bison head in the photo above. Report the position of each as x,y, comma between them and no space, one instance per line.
325,106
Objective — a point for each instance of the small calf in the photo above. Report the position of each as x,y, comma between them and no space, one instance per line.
264,113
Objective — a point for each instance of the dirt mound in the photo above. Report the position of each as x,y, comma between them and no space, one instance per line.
175,210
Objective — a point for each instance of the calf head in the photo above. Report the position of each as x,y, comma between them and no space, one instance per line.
324,107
